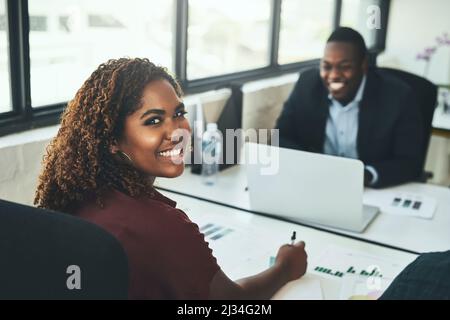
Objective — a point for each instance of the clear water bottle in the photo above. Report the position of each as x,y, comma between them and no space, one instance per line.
211,153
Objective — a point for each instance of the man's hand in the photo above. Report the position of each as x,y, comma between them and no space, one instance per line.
368,177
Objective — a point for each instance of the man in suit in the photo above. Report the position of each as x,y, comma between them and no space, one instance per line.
349,110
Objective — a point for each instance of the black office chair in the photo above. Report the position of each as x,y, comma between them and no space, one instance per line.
38,246
426,96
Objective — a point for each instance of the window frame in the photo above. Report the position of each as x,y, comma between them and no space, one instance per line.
24,117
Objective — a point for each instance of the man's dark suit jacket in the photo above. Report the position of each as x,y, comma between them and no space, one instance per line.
390,126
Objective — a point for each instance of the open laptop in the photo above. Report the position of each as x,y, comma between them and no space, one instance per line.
307,187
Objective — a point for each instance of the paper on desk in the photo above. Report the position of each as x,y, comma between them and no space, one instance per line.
336,262
306,288
441,119
225,237
401,203
361,274
363,288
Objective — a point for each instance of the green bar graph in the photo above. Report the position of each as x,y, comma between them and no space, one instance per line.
351,270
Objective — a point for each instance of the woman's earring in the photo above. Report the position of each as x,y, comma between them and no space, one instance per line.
126,156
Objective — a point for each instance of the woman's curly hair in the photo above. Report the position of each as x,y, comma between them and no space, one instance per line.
78,164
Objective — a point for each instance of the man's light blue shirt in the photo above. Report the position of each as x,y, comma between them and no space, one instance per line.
341,131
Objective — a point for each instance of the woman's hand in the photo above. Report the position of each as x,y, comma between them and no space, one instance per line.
290,264
292,259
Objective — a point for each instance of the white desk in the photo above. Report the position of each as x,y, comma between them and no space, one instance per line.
254,239
441,120
408,233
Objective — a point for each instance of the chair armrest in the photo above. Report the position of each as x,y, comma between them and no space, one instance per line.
425,176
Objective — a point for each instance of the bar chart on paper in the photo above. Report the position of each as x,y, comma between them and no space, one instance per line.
338,262
362,276
215,232
371,271
229,241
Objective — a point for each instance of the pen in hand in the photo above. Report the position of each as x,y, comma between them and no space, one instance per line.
293,238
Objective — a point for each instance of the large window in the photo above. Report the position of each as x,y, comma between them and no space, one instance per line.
70,38
48,48
305,26
227,36
5,92
362,15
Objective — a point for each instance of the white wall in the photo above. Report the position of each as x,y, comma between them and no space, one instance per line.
263,101
412,26
20,162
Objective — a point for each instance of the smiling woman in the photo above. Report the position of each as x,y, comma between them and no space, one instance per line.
105,142
148,139
124,128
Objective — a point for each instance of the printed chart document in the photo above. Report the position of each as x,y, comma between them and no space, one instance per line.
401,203
229,240
362,276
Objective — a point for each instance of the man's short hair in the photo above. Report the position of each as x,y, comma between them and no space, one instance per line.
345,34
